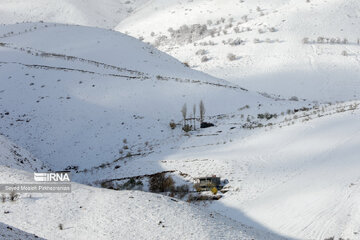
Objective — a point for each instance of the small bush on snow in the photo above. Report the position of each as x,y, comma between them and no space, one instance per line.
272,29
14,196
305,40
172,125
294,98
187,128
201,52
231,57
236,42
205,59
256,40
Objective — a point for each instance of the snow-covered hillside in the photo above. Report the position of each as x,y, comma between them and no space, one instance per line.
8,232
93,213
14,157
266,39
279,80
83,12
300,179
257,44
78,95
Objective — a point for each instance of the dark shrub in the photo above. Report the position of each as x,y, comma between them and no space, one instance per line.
172,125
268,116
206,125
182,190
187,128
13,196
161,183
131,184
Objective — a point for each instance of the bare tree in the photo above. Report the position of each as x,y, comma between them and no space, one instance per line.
13,196
194,112
202,111
183,111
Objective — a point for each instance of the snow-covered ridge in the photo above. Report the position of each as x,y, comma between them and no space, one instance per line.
92,82
99,102
83,12
292,48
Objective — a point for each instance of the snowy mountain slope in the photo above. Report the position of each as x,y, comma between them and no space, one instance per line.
100,103
271,34
300,179
15,157
8,232
93,213
266,38
90,96
83,12
83,98
92,46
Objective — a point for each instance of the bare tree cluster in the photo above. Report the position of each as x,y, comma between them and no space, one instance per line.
186,126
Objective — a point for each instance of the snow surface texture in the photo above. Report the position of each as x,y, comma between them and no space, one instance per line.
271,57
302,180
90,97
75,95
14,157
8,232
94,213
83,12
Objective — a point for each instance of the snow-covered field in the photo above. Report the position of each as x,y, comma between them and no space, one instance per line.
97,98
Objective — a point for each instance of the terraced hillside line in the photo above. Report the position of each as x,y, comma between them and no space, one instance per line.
32,29
46,67
109,164
337,109
186,80
140,75
40,53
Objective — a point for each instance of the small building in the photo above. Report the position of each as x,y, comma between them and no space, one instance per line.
207,183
